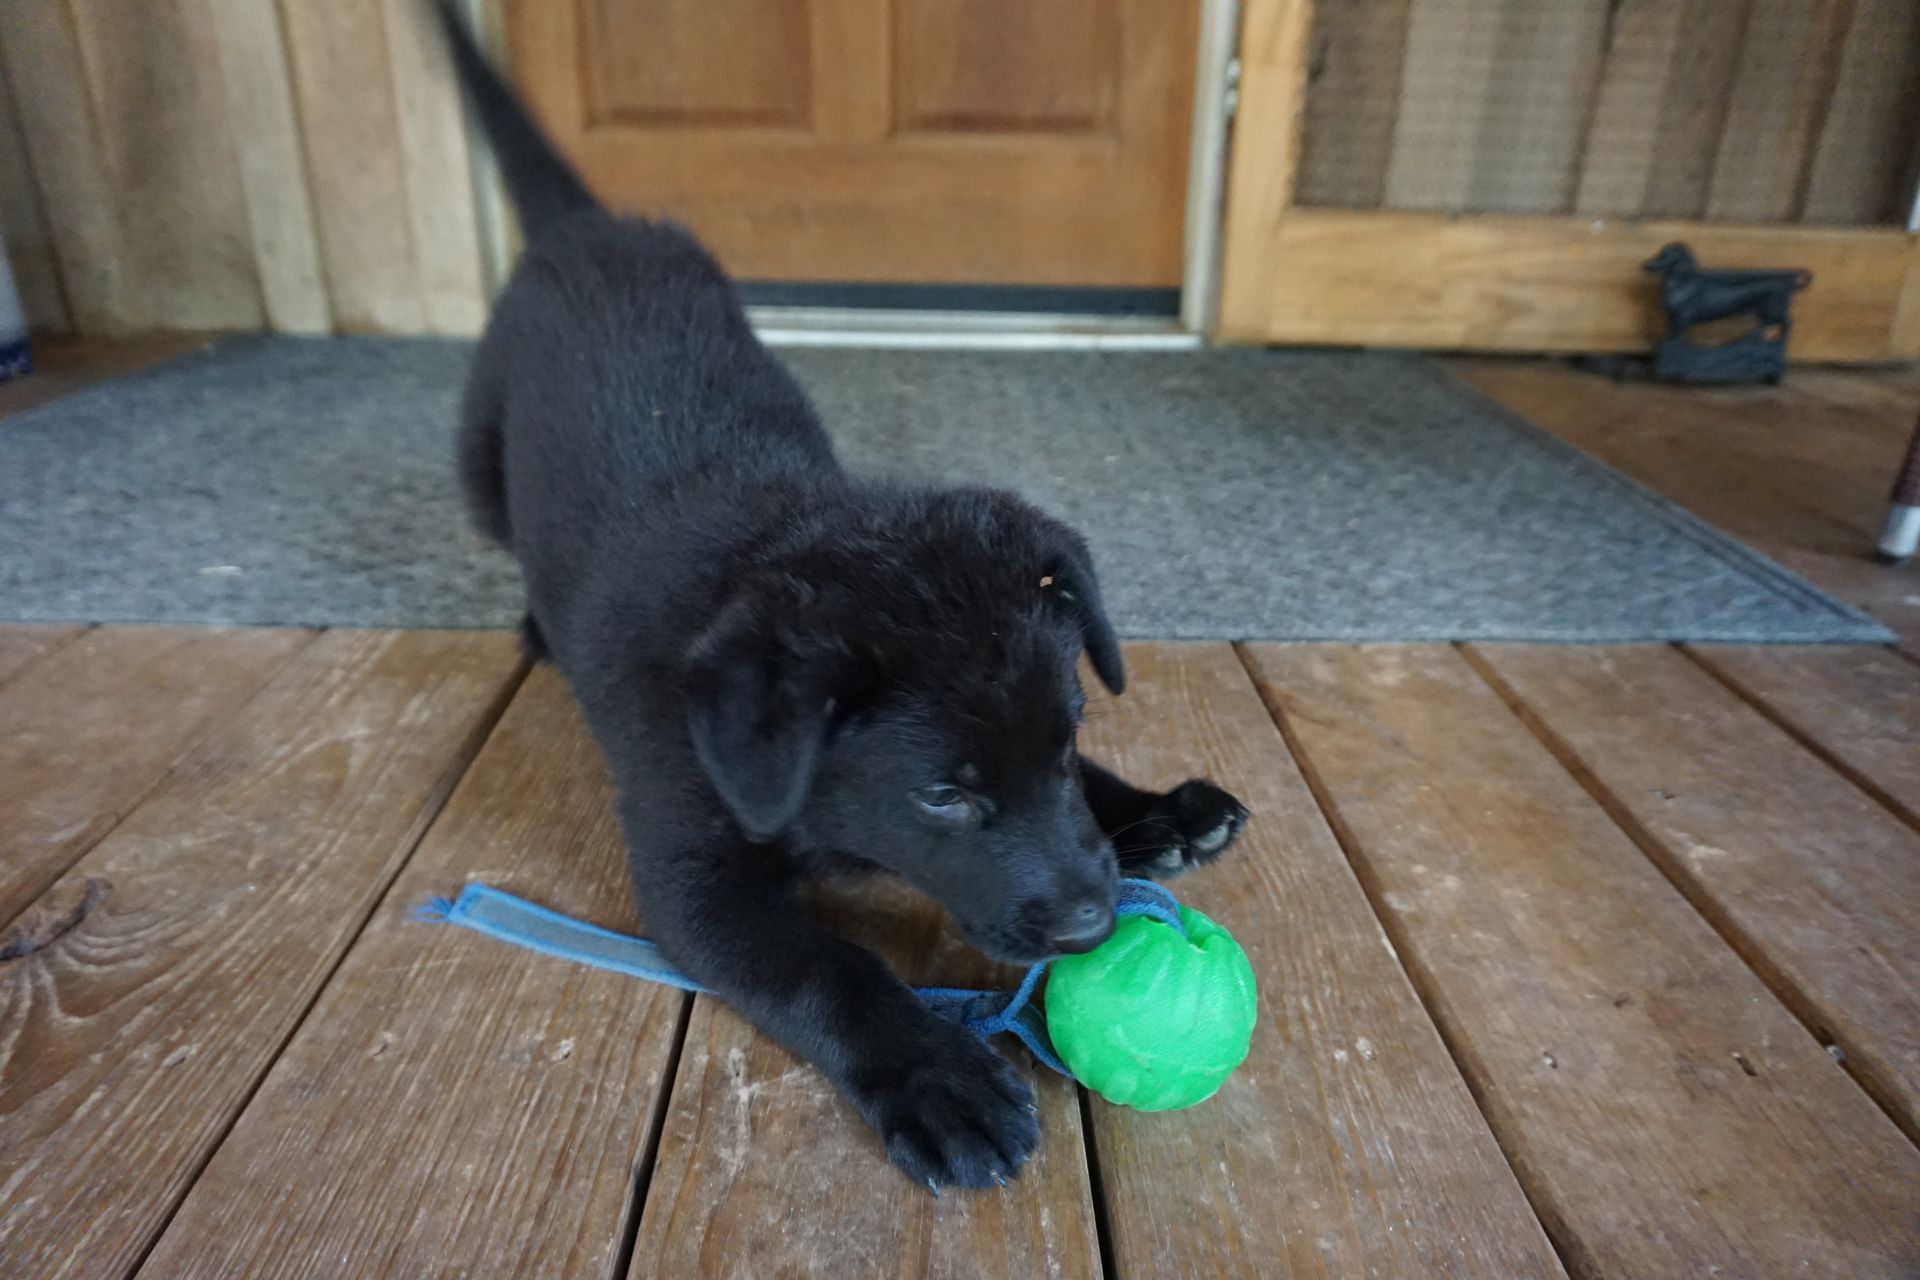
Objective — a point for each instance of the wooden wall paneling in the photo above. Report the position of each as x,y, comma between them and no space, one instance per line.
1352,103
1693,108
439,173
1617,158
1452,51
345,95
1789,60
40,54
1540,101
252,57
1862,164
1547,284
1904,341
23,226
186,249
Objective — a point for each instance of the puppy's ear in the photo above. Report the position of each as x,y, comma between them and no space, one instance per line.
1078,589
758,716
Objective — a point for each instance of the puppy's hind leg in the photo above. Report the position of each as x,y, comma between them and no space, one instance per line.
483,476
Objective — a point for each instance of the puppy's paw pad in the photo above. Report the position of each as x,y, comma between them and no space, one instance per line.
1197,822
1210,818
968,1120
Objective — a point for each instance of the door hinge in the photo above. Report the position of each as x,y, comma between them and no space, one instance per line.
1230,100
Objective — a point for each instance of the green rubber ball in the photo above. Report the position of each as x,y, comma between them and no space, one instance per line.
1152,1020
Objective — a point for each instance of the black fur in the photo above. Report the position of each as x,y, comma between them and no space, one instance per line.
787,667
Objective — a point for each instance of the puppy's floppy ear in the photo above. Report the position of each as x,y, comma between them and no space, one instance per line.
758,714
1078,589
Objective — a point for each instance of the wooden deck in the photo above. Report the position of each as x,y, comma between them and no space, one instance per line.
1587,961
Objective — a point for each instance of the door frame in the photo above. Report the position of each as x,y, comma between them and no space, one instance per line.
1201,234
1484,282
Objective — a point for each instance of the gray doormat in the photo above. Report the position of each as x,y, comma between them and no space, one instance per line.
1228,495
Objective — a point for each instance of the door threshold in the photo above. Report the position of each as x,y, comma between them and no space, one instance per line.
967,330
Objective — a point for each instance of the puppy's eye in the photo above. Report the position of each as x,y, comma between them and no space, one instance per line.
943,801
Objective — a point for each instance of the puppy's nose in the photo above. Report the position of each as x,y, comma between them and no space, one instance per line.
1083,928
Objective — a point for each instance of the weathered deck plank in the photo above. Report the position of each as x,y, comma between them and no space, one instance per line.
1666,1114
92,728
454,1105
216,911
1858,705
765,1170
1817,884
1347,1144
22,644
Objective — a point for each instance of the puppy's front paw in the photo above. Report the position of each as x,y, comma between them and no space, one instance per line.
1193,824
958,1116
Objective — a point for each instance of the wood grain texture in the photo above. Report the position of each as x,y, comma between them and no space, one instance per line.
40,57
455,1105
1494,102
1541,94
1694,106
1789,61
23,644
1347,1144
1352,102
1452,49
131,1040
63,366
1862,166
697,62
862,190
229,164
764,1169
982,66
251,58
99,722
439,175
1264,154
1538,284
23,226
1858,706
185,246
1666,1115
1816,883
1617,159
344,95
1803,477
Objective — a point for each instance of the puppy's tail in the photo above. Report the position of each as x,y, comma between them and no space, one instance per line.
542,184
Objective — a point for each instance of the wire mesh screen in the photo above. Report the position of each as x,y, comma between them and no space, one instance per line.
1724,110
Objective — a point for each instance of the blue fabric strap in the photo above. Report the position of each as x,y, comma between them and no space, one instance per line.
986,1014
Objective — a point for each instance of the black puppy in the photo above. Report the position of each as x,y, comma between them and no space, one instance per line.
786,667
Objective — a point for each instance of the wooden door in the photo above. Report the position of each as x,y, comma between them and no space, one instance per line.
954,141
1491,174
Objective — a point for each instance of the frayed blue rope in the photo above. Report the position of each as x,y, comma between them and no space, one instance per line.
986,1014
